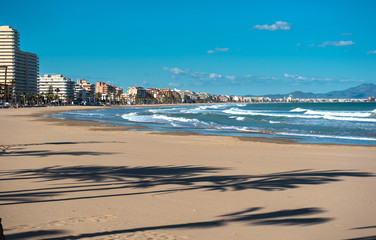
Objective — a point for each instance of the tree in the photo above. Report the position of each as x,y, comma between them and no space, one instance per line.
97,97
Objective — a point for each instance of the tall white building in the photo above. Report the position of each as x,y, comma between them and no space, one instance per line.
22,67
57,84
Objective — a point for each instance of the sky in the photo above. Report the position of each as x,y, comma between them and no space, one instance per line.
223,47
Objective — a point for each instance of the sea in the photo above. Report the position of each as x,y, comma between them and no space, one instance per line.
324,123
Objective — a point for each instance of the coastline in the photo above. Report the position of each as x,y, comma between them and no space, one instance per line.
102,126
62,180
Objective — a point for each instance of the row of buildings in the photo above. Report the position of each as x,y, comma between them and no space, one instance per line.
19,77
139,95
77,92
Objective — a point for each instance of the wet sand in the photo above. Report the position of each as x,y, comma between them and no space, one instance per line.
67,179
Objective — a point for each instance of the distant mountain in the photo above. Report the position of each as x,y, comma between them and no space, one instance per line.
361,91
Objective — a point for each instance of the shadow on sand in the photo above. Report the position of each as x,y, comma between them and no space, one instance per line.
34,234
99,179
290,217
18,150
363,238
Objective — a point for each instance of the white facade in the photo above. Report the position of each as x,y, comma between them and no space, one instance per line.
59,84
80,94
22,67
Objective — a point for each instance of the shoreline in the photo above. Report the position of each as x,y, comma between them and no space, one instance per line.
113,127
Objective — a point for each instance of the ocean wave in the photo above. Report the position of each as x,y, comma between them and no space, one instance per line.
237,111
373,113
163,110
174,121
354,119
237,118
327,136
241,129
203,109
217,106
274,122
338,114
134,117
298,110
85,113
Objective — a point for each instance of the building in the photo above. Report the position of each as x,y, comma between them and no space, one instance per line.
137,95
57,84
22,67
290,98
89,89
80,94
105,88
108,91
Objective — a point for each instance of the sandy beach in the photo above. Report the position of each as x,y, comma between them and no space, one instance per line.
64,179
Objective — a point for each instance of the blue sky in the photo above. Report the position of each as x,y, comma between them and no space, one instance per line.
223,47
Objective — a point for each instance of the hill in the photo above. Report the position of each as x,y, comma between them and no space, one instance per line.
361,91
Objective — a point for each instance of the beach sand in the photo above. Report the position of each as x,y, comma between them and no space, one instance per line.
63,179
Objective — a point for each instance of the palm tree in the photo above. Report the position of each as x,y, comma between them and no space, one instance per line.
97,97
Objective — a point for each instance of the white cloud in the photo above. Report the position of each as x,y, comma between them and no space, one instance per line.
205,78
294,76
218,50
215,75
371,52
311,45
297,77
173,70
179,73
337,43
278,25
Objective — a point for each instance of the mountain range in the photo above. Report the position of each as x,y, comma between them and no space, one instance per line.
361,91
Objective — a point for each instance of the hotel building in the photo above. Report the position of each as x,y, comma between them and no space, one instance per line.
22,67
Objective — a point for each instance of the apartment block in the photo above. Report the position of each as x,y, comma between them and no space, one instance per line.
89,89
57,84
22,67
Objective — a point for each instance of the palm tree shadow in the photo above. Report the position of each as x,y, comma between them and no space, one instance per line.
295,217
34,234
19,149
98,179
373,237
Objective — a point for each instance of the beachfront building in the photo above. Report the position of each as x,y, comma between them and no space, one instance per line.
86,90
154,94
224,98
57,85
107,91
80,96
181,95
137,95
22,68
